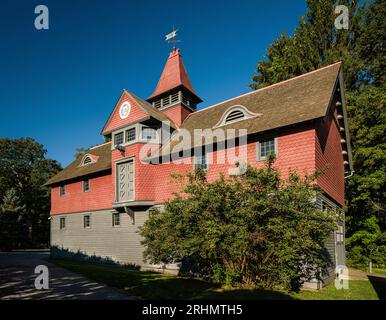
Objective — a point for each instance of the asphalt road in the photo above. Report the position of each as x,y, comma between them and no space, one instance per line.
17,281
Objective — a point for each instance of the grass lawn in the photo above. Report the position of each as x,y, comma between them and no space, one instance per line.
150,285
379,271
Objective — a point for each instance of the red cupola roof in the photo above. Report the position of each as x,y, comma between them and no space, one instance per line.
173,76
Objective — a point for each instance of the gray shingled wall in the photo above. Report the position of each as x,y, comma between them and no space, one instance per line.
118,243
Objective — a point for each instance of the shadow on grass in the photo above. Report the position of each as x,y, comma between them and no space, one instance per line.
151,285
379,285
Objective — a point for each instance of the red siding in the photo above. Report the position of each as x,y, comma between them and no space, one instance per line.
296,151
329,159
304,149
100,196
116,122
177,113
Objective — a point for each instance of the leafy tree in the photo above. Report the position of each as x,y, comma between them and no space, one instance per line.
23,172
317,43
12,231
254,229
79,151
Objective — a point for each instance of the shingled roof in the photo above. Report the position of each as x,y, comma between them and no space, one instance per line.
174,75
289,102
74,170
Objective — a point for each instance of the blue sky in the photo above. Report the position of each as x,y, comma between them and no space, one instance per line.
60,85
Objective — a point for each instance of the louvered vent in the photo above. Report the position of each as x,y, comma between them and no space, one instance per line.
157,104
87,160
234,116
175,97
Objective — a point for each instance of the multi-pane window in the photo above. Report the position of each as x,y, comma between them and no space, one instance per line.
130,135
62,190
118,138
116,219
149,133
86,221
86,185
266,148
201,161
62,223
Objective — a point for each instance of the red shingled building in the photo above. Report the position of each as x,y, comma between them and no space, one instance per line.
99,200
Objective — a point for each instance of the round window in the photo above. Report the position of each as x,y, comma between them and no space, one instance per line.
124,110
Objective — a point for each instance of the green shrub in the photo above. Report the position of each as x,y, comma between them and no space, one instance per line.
254,229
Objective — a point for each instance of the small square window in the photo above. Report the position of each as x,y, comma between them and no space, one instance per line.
266,148
130,135
62,190
118,138
116,219
86,221
86,185
62,223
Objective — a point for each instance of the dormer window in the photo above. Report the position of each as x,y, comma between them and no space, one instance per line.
235,114
88,159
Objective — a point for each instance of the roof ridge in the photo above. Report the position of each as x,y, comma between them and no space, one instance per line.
267,87
99,145
146,104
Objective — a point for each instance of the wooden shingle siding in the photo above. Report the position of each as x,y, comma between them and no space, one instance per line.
118,243
335,250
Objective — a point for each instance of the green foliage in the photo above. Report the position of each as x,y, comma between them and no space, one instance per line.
79,151
372,42
366,190
254,229
367,244
316,43
24,200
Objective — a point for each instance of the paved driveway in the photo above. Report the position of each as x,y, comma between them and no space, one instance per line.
17,281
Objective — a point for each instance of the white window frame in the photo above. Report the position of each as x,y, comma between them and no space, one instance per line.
89,221
114,215
258,148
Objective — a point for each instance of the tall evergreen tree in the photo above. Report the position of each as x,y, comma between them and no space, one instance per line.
316,43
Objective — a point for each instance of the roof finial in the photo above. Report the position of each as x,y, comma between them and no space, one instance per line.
170,38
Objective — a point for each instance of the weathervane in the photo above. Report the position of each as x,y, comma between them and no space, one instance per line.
170,38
